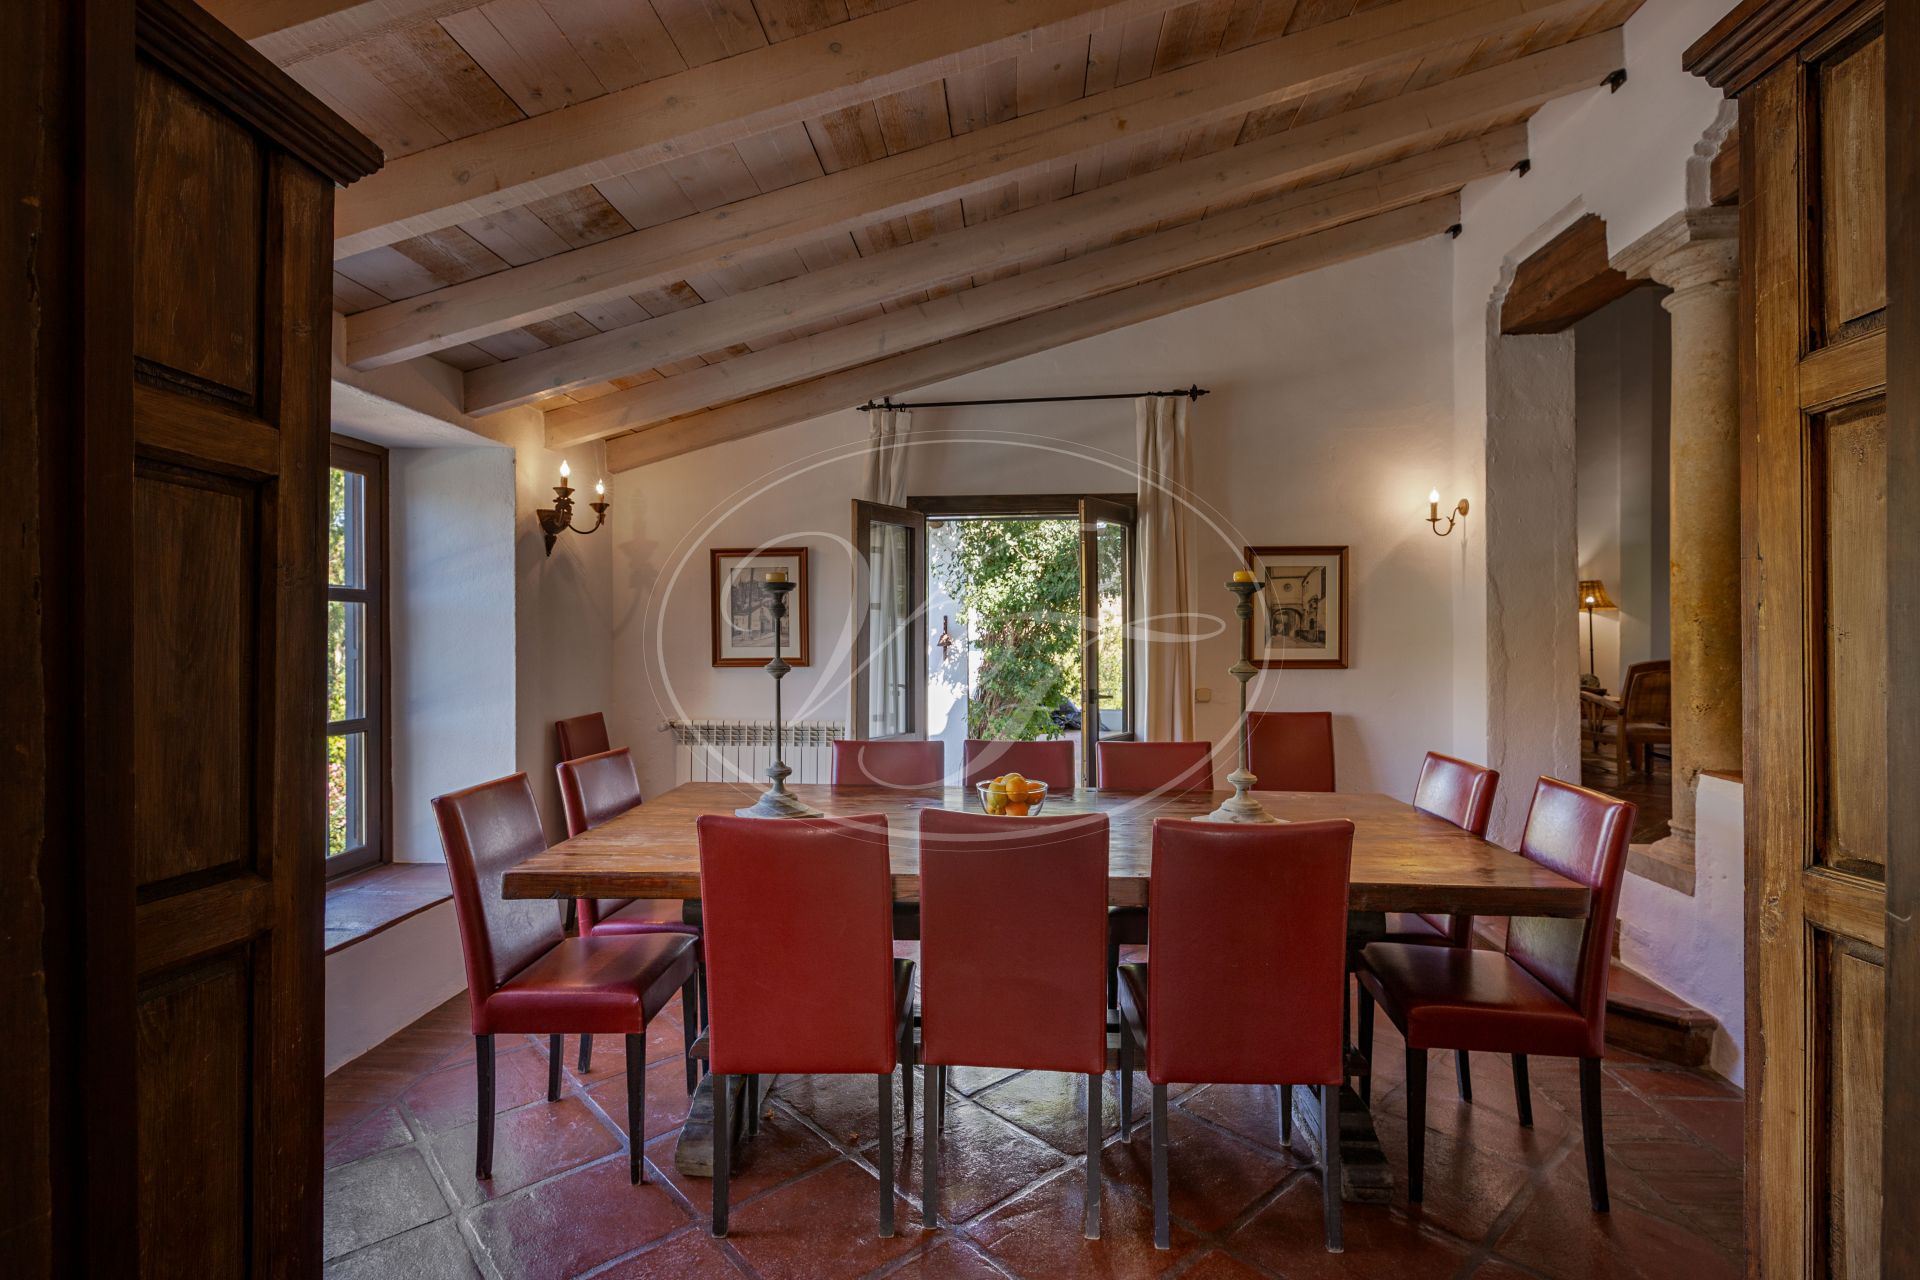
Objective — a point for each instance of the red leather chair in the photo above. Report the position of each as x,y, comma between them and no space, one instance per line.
525,975
1050,762
1013,927
1162,768
581,735
1291,750
788,996
1246,980
593,790
893,763
1546,994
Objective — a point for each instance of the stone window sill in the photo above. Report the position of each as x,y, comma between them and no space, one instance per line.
372,901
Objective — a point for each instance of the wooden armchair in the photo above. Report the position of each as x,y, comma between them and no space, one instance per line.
1641,718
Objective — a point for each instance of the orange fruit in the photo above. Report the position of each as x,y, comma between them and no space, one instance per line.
1016,784
1018,808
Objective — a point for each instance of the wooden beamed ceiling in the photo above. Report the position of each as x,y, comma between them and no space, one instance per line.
671,222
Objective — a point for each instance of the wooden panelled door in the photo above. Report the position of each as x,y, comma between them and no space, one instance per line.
1815,452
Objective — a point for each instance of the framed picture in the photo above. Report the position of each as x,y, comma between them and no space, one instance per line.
1300,611
743,607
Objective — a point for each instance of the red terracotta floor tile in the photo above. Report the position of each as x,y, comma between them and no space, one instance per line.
1212,1177
846,1108
1558,1233
1039,1234
983,1160
1251,1111
1467,1185
688,1255
1672,1082
1220,1266
784,1149
534,1142
948,1260
1720,1122
666,1098
448,1098
825,1224
567,1224
1289,1236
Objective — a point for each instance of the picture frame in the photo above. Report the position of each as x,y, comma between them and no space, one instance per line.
1300,616
741,618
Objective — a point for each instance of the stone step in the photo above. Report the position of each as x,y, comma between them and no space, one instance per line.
1649,1019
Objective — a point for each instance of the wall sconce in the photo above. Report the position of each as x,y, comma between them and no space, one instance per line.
559,518
1433,514
946,640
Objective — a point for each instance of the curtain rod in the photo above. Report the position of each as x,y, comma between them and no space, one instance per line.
1191,393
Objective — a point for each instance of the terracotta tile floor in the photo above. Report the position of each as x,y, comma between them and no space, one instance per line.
1502,1201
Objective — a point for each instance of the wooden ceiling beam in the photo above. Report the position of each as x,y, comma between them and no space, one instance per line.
704,107
1564,281
290,31
997,345
1223,178
1039,289
967,164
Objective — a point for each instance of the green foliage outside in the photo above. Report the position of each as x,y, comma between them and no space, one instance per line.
337,510
1019,581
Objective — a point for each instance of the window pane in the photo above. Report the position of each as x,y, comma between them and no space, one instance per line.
890,655
346,660
346,529
346,793
1110,555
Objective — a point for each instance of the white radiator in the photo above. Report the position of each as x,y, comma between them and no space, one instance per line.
741,750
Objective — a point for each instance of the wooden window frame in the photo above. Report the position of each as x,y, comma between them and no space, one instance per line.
370,462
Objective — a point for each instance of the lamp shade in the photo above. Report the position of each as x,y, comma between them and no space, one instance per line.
1593,595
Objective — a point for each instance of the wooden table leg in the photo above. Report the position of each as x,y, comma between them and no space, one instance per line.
693,1155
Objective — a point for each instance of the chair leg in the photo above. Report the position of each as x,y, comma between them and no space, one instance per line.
722,1154
1366,1043
556,1049
753,1104
1416,1123
1090,1226
1113,970
1126,1081
940,1098
483,1074
906,1076
1162,1227
689,1002
636,1105
1522,1092
1330,1165
1590,1133
1463,1074
586,1054
930,1149
700,978
886,1154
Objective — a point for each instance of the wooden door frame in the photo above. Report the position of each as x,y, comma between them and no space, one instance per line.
865,516
1092,511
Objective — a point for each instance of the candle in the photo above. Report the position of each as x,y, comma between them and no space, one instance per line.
776,575
1433,504
600,488
565,471
1243,575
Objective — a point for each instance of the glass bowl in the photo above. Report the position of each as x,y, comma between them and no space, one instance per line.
1006,806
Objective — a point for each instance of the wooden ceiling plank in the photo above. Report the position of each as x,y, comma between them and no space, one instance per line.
623,41
293,31
517,43
709,30
1071,323
349,86
428,70
703,107
976,251
958,167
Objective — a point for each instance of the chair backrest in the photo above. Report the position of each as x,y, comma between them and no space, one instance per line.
581,735
797,922
593,789
1647,697
487,830
1291,750
1583,835
1456,791
1170,768
1247,947
1013,941
895,763
1049,762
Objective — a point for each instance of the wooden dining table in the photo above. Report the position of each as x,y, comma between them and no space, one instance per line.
1403,860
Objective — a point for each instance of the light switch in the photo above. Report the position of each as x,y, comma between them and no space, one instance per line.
1203,695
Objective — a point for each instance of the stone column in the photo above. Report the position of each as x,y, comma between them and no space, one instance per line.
1696,255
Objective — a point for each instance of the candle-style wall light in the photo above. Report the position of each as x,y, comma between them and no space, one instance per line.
1459,512
557,519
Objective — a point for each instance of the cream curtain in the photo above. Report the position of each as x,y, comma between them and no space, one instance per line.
1165,538
887,434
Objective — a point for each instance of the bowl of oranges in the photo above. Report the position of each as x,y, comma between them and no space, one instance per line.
1012,796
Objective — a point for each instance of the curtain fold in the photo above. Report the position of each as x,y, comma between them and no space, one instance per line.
1165,537
887,434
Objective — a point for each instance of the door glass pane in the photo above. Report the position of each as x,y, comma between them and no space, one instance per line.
1853,835
1110,560
346,792
346,660
890,663
346,529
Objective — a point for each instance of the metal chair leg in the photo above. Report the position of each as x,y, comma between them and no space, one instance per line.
483,1076
556,1050
906,1076
1090,1226
636,1106
1126,1081
1366,1043
1330,1166
1416,1123
886,1154
1463,1074
1113,970
1286,1115
722,1155
753,1104
689,1002
1522,1093
1162,1226
930,1149
1590,1133
586,1054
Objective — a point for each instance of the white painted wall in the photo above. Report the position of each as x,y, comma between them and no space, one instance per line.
383,983
1330,419
1695,946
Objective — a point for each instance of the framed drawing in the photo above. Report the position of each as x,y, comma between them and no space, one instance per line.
1300,611
743,609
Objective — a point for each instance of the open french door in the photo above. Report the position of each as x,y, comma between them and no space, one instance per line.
1106,586
889,686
